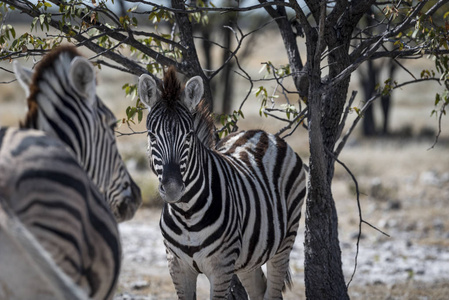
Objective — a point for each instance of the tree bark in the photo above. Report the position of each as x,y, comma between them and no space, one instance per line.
324,277
191,63
369,80
322,262
385,101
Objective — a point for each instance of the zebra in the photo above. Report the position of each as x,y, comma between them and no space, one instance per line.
62,102
58,237
229,207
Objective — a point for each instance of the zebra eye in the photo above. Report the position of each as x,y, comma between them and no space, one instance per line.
113,124
151,135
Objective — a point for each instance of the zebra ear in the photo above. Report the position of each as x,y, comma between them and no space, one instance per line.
148,91
82,78
193,92
24,76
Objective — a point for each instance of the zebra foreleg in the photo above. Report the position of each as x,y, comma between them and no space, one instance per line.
220,284
183,277
255,283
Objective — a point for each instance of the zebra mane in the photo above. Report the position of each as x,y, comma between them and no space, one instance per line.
171,88
48,62
171,93
204,124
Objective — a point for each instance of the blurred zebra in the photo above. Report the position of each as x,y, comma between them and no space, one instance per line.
62,101
230,207
56,227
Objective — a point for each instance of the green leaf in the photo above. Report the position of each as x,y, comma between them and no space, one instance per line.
42,19
139,115
13,32
132,9
33,23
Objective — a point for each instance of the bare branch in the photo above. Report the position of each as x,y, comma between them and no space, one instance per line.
246,77
365,107
194,9
346,113
298,120
442,111
359,208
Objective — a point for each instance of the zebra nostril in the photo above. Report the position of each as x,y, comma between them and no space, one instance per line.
126,185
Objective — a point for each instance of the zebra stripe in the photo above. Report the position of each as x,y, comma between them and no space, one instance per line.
62,102
52,197
230,207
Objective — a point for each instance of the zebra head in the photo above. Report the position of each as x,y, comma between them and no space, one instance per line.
170,125
62,101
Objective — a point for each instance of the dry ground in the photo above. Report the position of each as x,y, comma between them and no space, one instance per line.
405,193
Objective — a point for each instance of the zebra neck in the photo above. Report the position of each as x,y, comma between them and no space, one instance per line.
197,196
62,119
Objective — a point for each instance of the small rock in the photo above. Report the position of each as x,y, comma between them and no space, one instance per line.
429,178
412,226
438,224
445,177
376,187
394,205
140,285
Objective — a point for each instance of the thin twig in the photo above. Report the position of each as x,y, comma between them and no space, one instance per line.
365,107
375,228
301,115
194,9
439,127
346,113
359,207
119,133
8,82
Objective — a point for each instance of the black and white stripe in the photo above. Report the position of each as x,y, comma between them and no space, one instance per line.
230,207
60,230
62,101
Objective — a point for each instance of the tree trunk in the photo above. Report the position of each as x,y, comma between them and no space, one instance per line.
190,56
226,76
369,79
322,262
324,277
386,100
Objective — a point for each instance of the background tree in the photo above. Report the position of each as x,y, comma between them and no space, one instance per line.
337,43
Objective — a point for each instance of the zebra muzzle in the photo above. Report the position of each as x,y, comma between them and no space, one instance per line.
171,185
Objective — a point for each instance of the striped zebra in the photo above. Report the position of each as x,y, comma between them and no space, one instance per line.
62,101
229,207
58,236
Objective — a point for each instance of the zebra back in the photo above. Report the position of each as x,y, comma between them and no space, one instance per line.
62,101
25,263
43,186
